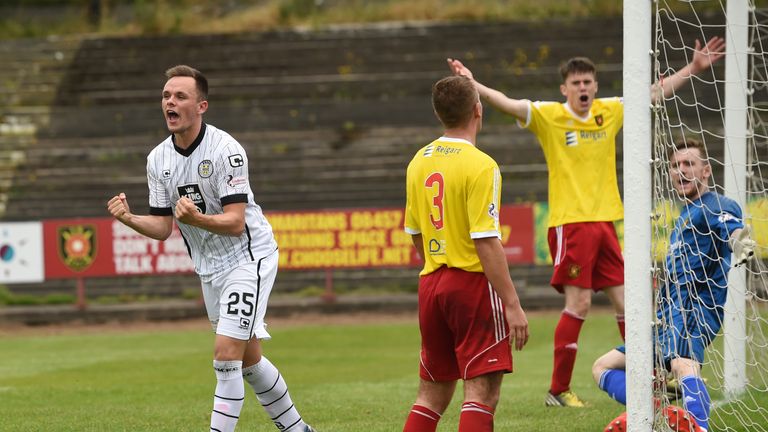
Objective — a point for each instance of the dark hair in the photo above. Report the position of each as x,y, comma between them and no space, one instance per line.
453,99
187,71
689,143
577,65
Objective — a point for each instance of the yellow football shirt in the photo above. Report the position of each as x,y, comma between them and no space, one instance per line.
581,159
452,197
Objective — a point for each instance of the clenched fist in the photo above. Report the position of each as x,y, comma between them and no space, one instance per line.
186,211
119,209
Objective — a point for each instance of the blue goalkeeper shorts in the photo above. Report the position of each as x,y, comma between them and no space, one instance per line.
689,318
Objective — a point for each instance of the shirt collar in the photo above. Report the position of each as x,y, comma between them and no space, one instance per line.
195,144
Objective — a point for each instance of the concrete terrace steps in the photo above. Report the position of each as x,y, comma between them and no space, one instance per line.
330,59
316,165
326,57
329,118
251,89
371,39
32,69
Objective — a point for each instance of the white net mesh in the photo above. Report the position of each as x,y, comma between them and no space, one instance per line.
697,111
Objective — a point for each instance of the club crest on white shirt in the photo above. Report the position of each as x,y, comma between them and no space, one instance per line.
205,169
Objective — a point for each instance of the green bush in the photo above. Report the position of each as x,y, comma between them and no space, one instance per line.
289,10
5,295
8,298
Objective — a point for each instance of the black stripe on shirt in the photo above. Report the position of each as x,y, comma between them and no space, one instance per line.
160,211
258,295
248,245
186,243
232,199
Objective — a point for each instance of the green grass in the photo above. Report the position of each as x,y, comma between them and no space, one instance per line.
343,378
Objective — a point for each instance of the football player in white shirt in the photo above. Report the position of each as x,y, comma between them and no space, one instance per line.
199,176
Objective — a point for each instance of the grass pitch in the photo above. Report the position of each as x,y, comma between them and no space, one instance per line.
342,377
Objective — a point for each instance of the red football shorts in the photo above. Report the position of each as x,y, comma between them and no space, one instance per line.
464,333
587,255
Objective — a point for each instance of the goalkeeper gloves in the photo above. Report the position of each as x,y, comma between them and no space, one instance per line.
743,246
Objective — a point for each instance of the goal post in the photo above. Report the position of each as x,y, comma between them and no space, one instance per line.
637,213
735,162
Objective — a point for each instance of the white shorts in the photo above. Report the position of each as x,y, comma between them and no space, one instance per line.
236,301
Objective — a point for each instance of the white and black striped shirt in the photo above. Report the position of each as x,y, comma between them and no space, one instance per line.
212,172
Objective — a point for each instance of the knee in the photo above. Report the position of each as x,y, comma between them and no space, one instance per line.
435,395
225,354
683,367
611,360
484,389
578,301
490,398
598,368
435,402
616,296
578,310
581,309
228,349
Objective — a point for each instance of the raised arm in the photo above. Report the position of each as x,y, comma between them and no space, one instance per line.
156,227
497,99
703,58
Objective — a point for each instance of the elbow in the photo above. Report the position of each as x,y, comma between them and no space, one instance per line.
164,235
165,231
237,230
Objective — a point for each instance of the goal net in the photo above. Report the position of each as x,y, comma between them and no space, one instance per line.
725,108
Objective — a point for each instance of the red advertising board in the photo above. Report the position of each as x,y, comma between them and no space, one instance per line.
517,228
77,248
357,238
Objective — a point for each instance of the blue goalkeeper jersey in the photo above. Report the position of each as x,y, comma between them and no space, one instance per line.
699,254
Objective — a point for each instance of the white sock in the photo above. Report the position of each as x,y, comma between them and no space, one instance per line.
228,399
272,392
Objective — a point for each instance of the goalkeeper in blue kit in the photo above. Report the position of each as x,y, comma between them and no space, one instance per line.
708,237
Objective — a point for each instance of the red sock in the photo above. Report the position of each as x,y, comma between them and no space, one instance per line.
421,419
566,338
620,322
476,417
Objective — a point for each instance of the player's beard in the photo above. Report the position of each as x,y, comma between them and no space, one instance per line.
691,190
